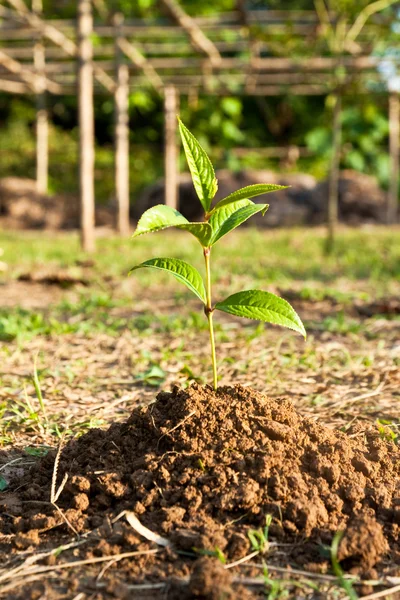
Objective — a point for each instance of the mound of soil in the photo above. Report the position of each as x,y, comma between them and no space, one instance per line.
22,207
201,467
304,202
360,199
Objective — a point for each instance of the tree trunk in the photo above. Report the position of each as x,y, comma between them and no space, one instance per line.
394,149
121,99
86,125
333,196
171,147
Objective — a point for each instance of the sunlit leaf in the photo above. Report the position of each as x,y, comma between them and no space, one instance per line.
200,166
250,191
202,231
237,218
220,216
181,270
157,218
161,217
262,306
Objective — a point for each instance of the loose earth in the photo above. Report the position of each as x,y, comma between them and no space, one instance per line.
202,468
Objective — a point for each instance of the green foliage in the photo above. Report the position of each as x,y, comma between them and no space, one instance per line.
263,306
386,431
182,271
236,218
365,131
200,166
249,191
161,217
219,221
153,377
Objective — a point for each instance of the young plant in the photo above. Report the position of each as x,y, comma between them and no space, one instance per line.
219,220
259,537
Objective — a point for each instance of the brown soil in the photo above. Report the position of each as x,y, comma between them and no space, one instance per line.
201,468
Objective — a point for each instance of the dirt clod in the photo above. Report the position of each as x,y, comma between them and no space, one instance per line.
202,468
363,543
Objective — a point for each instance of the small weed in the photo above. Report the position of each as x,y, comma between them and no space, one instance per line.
339,323
37,451
344,583
38,391
386,431
259,537
153,377
216,553
274,589
279,589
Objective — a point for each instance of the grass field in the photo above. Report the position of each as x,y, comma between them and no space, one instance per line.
103,342
110,340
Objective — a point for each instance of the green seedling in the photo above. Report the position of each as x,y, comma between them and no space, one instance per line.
279,589
153,377
386,431
38,390
219,220
259,537
344,583
216,553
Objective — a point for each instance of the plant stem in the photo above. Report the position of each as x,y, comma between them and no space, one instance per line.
209,314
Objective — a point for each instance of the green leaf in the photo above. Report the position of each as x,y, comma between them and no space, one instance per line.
157,218
181,270
263,306
202,231
237,218
3,483
200,166
220,216
161,217
248,192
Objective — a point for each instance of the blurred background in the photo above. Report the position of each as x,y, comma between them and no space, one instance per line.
280,92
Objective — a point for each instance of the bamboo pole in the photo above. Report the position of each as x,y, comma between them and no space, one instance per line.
24,74
86,125
171,147
394,149
42,124
197,37
14,87
333,195
121,99
56,36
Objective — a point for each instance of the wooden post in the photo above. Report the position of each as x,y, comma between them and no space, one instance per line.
42,125
171,148
86,125
121,103
333,195
394,149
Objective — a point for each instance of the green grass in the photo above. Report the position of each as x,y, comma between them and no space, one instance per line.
284,255
365,265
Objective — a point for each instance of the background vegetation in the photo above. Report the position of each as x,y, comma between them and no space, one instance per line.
217,122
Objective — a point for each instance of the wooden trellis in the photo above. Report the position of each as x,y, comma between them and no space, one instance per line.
228,54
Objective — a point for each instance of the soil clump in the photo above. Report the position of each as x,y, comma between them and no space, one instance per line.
201,468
